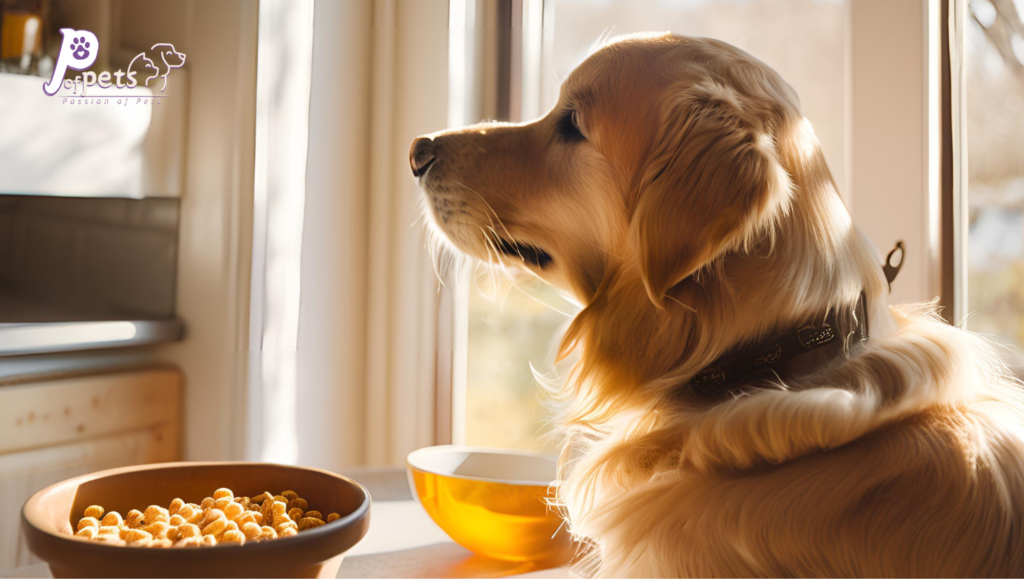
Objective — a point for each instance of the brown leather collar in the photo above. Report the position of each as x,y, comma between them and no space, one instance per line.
795,351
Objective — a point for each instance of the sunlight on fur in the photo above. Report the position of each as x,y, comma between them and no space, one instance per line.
679,195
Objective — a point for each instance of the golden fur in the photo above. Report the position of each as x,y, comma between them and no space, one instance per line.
693,213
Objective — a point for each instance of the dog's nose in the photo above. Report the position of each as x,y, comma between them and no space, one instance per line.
421,155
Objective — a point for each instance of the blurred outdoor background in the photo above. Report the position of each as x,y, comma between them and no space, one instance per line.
994,47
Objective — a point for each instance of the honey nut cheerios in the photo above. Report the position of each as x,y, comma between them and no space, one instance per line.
175,506
222,519
87,532
88,522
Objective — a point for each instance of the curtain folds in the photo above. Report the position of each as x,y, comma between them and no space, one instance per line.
344,298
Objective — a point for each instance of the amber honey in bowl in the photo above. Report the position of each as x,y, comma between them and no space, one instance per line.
493,502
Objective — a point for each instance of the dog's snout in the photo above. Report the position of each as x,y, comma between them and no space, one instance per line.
422,155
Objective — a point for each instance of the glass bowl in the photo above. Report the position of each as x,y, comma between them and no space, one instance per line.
493,502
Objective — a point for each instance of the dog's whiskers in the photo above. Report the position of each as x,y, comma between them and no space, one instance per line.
514,244
497,262
539,301
489,208
489,267
489,240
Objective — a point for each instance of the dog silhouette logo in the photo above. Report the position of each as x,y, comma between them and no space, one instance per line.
157,62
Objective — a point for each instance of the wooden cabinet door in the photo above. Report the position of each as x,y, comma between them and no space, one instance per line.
55,429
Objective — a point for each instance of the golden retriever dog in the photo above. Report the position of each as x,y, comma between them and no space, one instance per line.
744,401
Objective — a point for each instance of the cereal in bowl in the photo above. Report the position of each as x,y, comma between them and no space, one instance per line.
222,519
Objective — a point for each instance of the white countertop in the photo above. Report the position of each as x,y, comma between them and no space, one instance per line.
402,541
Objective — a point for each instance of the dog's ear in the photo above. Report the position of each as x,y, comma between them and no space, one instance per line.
713,183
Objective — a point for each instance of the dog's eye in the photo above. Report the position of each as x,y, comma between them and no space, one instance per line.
569,127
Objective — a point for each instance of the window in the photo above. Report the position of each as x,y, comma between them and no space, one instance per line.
511,327
994,57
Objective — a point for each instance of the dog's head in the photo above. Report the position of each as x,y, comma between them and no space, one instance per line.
171,57
662,154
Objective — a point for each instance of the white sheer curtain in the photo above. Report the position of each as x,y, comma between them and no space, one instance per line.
344,299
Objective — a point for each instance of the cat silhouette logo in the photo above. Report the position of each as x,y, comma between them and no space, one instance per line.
156,62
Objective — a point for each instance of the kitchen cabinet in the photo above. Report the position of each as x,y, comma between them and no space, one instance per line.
54,428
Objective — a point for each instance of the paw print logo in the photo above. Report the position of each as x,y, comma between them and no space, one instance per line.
80,48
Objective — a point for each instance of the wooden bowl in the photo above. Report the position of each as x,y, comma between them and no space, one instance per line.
48,516
493,502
